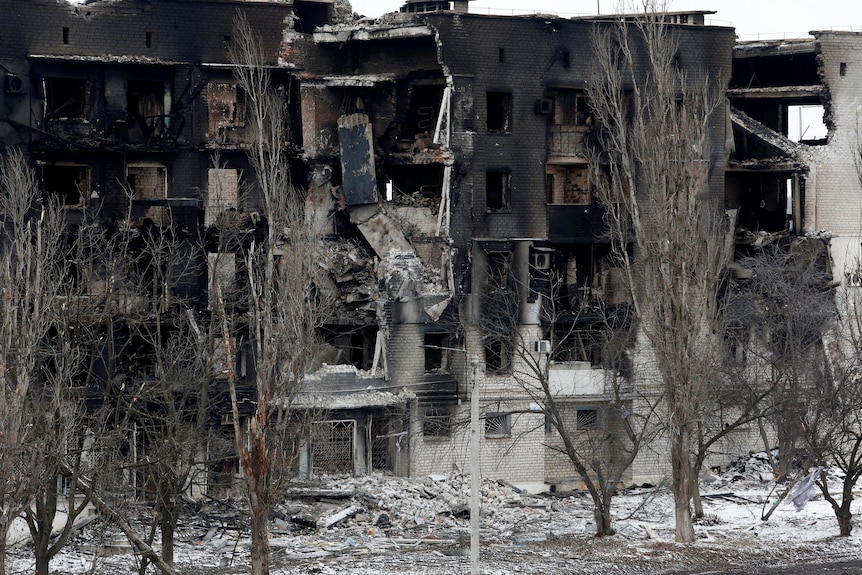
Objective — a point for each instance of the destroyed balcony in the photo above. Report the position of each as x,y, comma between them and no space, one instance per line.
159,131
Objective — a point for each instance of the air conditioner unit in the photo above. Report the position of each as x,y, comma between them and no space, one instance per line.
542,346
540,260
14,84
545,106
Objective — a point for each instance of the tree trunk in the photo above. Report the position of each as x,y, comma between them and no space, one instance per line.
695,496
43,524
602,514
4,531
681,485
41,554
259,540
168,527
845,523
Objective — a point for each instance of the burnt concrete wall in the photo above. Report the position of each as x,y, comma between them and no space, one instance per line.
184,30
481,54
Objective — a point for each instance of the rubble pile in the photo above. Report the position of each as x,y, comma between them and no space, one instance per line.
364,513
353,273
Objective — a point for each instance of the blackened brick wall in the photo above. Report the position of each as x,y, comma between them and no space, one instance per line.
525,56
184,30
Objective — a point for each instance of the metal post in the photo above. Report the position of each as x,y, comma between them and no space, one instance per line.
475,472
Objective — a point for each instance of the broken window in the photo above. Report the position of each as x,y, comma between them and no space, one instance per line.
353,345
417,185
226,105
498,356
222,200
587,418
498,425
499,112
571,108
497,190
436,356
578,345
568,184
148,184
437,421
422,112
805,124
69,184
145,103
65,98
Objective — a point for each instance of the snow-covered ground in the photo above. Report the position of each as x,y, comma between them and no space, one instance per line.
396,525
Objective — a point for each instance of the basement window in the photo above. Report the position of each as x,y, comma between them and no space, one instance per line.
65,98
568,184
587,418
69,184
498,425
499,112
497,190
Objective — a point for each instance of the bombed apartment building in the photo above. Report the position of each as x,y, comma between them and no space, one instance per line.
460,237
457,160
132,118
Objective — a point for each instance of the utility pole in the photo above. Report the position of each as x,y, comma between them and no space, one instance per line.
475,469
475,454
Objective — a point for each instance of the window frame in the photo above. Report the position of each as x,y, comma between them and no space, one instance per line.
501,188
500,425
498,112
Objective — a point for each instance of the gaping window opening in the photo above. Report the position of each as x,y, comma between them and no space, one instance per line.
436,354
226,106
498,425
354,344
498,184
568,184
805,124
69,183
149,182
578,345
65,98
498,356
499,112
587,418
222,202
415,185
145,103
571,108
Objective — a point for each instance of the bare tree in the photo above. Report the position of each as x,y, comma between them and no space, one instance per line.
830,425
582,328
31,263
171,378
279,331
651,170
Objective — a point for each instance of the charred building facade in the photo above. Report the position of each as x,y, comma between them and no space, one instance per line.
454,168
